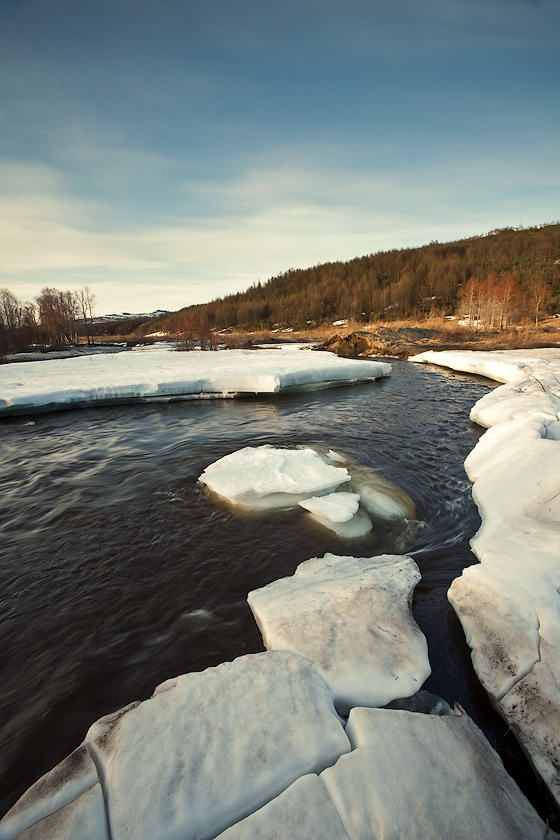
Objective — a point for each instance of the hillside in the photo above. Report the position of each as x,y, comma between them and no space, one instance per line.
396,284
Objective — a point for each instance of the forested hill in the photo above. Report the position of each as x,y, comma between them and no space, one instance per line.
397,284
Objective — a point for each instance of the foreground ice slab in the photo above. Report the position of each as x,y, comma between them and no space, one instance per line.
351,617
418,776
509,605
164,374
207,749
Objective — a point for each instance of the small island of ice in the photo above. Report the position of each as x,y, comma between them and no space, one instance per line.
338,493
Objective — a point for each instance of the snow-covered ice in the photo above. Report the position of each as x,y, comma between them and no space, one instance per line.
304,811
338,507
509,605
351,617
207,749
419,776
337,492
339,512
159,373
72,791
265,476
82,819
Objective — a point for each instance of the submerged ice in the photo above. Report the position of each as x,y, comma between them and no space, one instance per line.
337,492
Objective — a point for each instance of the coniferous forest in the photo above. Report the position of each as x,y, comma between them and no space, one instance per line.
512,273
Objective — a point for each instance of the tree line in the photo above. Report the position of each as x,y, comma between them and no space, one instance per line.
517,270
55,319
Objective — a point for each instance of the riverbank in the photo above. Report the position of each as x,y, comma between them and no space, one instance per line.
401,340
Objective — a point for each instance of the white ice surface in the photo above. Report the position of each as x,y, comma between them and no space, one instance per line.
82,819
265,476
156,373
351,617
304,811
209,748
202,753
418,776
509,605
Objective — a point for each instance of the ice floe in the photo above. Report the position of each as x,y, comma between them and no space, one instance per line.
305,811
509,605
351,617
408,776
338,492
206,749
266,476
165,374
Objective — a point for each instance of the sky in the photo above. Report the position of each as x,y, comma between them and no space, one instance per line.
168,152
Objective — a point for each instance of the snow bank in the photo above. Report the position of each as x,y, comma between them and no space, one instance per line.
158,373
262,477
509,605
206,750
351,617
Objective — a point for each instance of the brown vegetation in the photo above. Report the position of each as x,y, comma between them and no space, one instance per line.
507,277
407,338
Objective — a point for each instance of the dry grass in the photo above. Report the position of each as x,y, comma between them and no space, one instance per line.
395,338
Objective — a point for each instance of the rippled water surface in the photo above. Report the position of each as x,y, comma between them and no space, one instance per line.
118,570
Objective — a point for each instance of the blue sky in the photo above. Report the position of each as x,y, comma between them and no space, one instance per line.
166,152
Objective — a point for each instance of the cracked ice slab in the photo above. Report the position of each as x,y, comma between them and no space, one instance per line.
351,617
416,776
202,753
509,605
208,748
166,374
304,811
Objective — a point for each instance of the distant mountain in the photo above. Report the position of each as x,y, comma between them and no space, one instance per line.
129,316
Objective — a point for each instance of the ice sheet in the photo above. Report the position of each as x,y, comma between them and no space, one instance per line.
351,617
82,819
420,776
304,811
338,507
167,374
203,752
509,605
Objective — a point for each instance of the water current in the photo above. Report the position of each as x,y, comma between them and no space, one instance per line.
118,570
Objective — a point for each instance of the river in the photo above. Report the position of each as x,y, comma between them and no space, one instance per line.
118,570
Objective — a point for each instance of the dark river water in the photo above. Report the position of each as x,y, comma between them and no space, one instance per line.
118,570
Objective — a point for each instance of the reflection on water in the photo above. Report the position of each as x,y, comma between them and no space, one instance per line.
118,571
